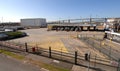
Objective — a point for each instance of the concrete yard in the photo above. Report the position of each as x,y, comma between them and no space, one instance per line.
9,64
58,40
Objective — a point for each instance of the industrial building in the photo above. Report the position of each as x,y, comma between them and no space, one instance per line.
34,22
115,22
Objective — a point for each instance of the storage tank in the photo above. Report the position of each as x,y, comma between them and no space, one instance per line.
34,22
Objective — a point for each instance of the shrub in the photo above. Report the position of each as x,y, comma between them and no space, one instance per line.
15,34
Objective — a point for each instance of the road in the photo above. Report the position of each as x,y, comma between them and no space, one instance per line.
9,64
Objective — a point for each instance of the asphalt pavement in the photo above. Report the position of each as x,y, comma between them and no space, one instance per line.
10,64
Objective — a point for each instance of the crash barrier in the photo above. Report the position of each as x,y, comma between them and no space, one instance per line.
85,60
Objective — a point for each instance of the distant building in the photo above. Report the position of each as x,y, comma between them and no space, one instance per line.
34,22
115,22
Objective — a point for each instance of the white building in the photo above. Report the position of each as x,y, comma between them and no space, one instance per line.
34,22
113,20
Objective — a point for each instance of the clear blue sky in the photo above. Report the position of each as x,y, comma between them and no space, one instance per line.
13,10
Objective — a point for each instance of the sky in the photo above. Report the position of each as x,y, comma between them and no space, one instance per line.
14,10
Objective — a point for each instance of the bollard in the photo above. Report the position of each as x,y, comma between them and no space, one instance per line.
86,56
75,57
49,52
105,36
26,48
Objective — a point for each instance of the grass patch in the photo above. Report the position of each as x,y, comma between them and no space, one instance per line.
17,56
48,66
14,33
54,68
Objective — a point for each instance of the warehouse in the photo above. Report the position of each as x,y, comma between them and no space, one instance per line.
34,22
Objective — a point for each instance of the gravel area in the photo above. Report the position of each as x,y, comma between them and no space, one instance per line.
58,40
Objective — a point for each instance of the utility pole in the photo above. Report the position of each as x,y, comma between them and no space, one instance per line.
2,20
90,20
69,21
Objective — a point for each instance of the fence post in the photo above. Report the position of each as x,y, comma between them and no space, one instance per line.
118,69
26,48
49,52
95,60
75,57
110,53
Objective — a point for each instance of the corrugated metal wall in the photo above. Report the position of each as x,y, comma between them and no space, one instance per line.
36,22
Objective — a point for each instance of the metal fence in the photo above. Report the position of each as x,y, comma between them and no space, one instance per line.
102,45
74,58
